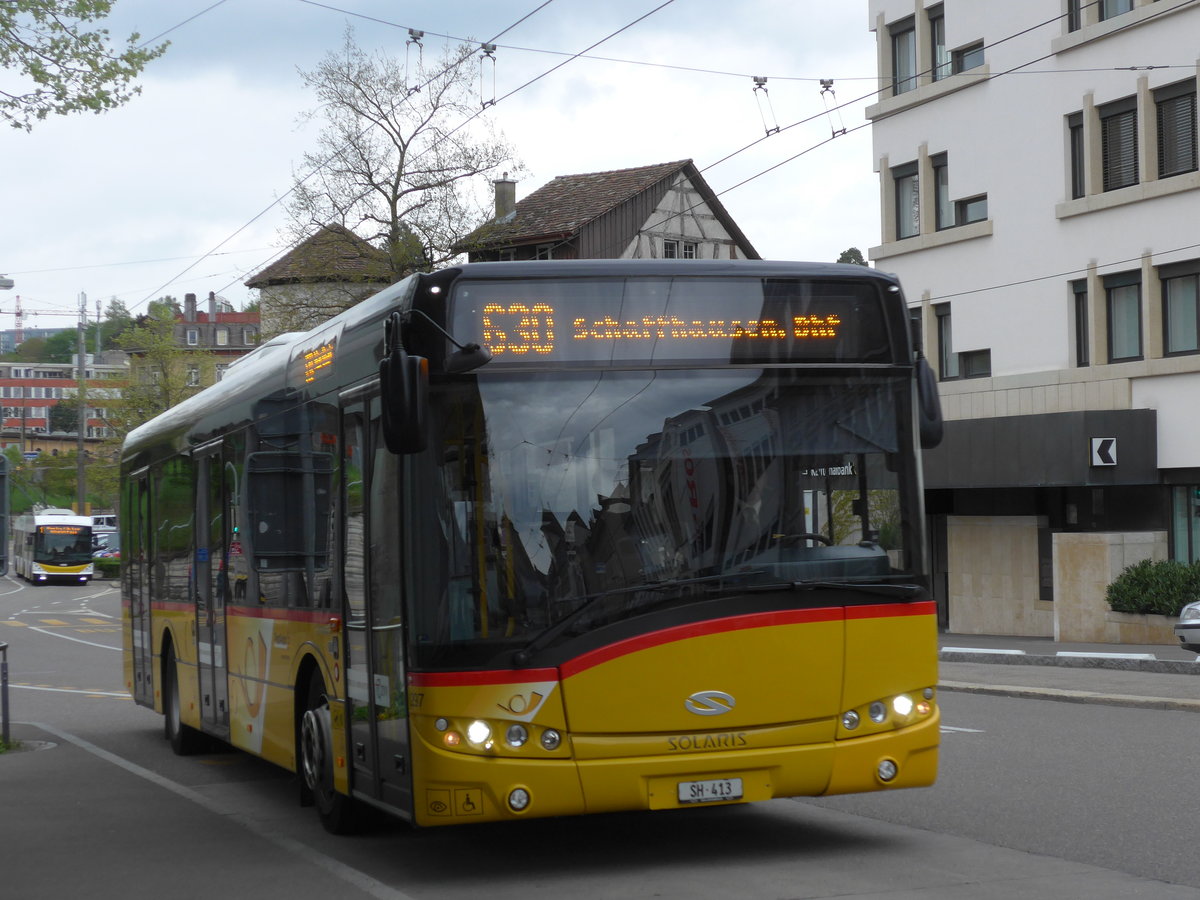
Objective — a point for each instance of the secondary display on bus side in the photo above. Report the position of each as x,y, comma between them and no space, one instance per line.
658,320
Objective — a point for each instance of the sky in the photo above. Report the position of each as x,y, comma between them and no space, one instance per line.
180,190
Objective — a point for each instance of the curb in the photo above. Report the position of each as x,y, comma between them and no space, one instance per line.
1031,693
1121,662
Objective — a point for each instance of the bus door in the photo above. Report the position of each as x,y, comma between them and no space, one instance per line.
135,569
375,664
389,671
211,590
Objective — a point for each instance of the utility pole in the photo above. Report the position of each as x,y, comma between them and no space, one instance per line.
80,461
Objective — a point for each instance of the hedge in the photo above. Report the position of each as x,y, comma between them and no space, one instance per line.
1162,587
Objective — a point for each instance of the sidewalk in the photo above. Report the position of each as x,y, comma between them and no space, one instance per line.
1157,676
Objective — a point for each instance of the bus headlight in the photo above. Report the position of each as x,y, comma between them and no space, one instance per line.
551,739
903,705
516,736
878,712
479,732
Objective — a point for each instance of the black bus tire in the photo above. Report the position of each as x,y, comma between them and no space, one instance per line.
314,755
184,739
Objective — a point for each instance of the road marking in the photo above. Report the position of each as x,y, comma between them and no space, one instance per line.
124,695
361,880
92,621
67,637
52,621
946,728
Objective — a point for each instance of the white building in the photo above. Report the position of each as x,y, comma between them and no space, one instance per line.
1039,186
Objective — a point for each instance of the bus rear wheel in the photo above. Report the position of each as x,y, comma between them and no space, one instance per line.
184,739
335,810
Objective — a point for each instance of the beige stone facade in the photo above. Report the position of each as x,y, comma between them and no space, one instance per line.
1084,566
993,580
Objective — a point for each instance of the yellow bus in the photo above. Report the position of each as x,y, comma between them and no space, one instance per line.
52,545
512,540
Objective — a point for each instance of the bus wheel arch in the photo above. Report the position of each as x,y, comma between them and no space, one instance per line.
314,753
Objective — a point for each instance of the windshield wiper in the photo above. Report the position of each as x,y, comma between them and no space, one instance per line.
899,591
522,656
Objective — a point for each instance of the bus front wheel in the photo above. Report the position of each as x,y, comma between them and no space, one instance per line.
316,762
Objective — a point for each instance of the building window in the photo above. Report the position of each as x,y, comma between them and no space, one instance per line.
248,336
1176,108
193,337
1185,523
940,61
1079,300
222,337
904,56
1110,8
1181,313
943,207
1075,141
670,249
975,364
220,371
973,209
968,57
193,376
544,251
947,359
1118,143
908,201
1123,295
689,250
1074,21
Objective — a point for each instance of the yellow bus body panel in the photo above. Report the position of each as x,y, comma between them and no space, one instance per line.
630,741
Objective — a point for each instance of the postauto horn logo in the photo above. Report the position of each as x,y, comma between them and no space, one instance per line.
710,703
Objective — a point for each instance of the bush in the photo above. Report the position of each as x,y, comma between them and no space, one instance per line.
107,567
1161,587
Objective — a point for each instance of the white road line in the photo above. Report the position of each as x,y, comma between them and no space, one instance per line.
67,637
962,730
36,687
360,880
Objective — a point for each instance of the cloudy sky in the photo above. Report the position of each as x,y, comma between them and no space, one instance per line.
178,192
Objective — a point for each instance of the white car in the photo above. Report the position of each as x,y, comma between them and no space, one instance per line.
1187,629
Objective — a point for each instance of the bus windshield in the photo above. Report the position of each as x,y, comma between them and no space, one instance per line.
615,492
63,544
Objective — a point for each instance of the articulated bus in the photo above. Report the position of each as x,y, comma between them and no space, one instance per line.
512,540
52,545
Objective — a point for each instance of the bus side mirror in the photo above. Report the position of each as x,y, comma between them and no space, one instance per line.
404,386
929,406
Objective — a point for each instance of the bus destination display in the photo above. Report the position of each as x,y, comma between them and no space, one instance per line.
710,320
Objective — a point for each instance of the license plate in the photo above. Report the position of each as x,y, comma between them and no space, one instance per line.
711,791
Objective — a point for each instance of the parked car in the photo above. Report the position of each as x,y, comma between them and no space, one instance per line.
1187,629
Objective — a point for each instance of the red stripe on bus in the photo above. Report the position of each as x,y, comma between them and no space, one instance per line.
888,610
667,636
312,616
700,629
473,679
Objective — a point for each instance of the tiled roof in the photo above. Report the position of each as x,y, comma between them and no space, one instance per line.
334,253
565,205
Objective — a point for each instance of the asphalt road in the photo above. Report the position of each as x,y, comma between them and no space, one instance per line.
1036,799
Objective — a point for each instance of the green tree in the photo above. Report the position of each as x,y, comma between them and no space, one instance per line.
853,256
161,372
63,63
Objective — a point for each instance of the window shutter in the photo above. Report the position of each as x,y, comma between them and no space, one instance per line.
1177,135
1119,145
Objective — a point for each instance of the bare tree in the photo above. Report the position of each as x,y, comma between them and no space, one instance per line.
401,155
